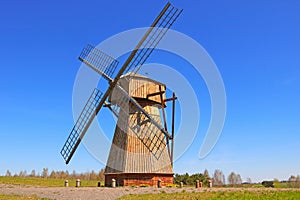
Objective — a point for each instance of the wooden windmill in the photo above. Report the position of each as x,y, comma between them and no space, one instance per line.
138,154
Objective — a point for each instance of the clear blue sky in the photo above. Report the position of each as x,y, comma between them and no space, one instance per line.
255,45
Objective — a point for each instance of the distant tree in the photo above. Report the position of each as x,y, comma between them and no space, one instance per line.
276,180
53,174
177,178
292,178
294,181
218,178
298,179
206,177
234,179
238,179
67,174
73,175
93,175
184,178
32,174
8,173
192,179
206,174
101,175
249,180
231,178
22,173
45,173
86,176
276,183
62,174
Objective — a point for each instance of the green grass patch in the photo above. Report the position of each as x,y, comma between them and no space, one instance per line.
19,197
45,182
221,195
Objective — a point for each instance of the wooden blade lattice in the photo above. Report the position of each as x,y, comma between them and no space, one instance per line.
88,113
153,37
99,61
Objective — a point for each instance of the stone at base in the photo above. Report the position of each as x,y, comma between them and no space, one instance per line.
138,179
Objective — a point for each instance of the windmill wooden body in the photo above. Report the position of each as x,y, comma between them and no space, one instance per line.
142,147
132,160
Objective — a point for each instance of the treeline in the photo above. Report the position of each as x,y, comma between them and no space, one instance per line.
218,178
92,175
293,181
190,179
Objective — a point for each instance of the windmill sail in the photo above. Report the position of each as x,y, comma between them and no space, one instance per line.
96,59
152,37
99,61
88,113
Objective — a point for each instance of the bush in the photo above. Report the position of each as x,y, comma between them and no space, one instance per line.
268,183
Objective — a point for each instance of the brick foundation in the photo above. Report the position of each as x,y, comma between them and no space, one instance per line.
137,179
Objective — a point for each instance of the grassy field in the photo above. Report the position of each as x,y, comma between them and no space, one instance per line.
45,182
19,197
221,195
250,192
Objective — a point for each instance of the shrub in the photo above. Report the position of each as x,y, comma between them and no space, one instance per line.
268,183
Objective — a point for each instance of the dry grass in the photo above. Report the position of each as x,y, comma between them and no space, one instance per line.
44,182
18,197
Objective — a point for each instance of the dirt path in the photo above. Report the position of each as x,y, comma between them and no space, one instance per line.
99,192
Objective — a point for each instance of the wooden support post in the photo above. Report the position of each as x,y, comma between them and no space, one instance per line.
210,183
159,183
197,183
113,183
66,183
78,183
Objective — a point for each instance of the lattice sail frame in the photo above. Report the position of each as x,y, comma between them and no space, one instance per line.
99,61
156,34
86,114
106,66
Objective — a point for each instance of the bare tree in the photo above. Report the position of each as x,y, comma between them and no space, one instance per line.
52,174
67,174
292,178
232,178
298,179
238,179
45,173
206,174
218,178
32,174
73,175
101,175
22,173
249,180
8,173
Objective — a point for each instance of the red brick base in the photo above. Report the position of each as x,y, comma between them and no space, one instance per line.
137,179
